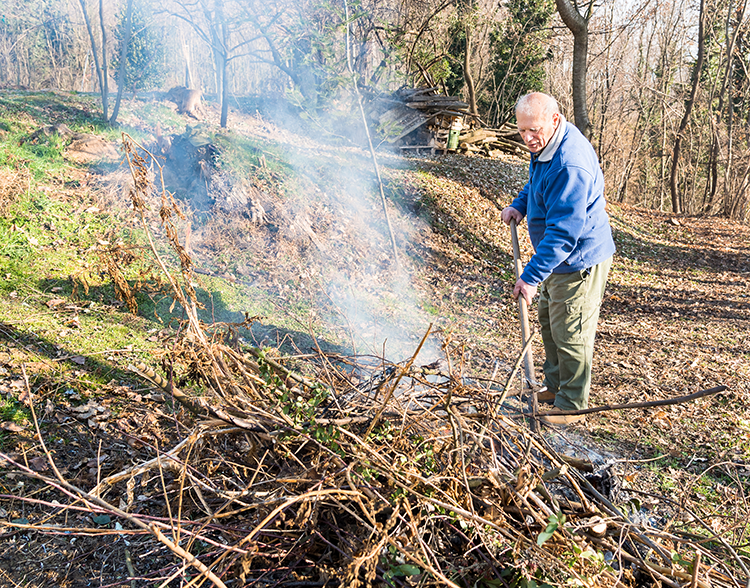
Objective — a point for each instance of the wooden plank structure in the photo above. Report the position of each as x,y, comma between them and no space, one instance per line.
414,119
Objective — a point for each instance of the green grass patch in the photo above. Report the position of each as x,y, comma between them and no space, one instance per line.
31,110
243,156
14,412
42,157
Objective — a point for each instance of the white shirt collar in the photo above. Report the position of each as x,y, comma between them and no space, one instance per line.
549,151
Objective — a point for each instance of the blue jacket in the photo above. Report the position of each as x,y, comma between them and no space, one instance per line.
563,202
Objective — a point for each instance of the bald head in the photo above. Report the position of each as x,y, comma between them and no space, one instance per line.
537,116
537,104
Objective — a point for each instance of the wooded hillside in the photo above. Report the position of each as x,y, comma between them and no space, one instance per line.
256,324
660,86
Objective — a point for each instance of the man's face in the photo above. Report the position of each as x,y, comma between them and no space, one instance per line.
537,129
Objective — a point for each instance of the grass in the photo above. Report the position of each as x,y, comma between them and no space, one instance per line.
244,156
13,412
150,114
50,245
46,242
42,160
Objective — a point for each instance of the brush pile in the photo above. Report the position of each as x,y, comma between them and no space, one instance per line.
398,475
327,471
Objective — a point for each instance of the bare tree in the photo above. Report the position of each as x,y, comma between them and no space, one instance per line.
677,203
578,24
222,26
737,76
185,47
724,115
123,61
633,138
94,51
105,73
466,10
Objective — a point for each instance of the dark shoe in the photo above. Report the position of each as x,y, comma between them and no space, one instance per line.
545,396
561,420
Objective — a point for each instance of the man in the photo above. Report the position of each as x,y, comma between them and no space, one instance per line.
563,202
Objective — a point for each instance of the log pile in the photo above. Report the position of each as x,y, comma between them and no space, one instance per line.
421,119
489,142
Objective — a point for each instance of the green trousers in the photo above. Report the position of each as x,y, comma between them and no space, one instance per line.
568,313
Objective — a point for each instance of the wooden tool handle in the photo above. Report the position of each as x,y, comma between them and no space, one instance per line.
522,306
523,310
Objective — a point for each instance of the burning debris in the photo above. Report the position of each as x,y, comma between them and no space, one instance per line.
189,170
189,166
422,119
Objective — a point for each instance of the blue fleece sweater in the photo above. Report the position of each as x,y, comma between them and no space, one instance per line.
563,202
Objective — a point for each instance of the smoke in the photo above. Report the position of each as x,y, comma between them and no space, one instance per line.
324,225
373,298
385,319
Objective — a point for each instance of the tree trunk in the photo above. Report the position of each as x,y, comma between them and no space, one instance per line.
93,50
696,75
579,26
224,80
123,61
84,73
105,74
278,59
51,53
467,70
186,56
731,194
218,66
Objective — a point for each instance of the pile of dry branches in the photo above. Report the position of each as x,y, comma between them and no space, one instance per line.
329,471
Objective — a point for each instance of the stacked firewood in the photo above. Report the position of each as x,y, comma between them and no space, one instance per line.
415,119
491,141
